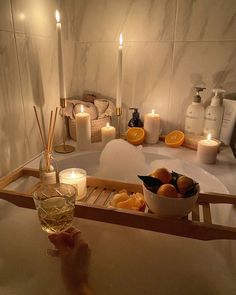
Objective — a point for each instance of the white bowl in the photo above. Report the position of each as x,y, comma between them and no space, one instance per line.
169,207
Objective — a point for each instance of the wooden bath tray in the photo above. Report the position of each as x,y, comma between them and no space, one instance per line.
95,206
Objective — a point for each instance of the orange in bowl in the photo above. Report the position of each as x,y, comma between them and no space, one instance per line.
174,138
135,135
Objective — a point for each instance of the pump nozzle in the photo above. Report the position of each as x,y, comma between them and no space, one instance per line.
199,89
218,90
135,109
217,99
197,97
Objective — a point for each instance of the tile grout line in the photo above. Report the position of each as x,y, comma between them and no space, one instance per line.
18,63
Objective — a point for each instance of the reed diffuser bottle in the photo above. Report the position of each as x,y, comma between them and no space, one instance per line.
48,170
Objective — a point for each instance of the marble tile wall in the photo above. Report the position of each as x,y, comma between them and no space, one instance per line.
169,46
28,76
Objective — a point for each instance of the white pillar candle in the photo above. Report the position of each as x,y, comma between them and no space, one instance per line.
108,133
119,74
152,127
207,150
77,178
83,129
60,57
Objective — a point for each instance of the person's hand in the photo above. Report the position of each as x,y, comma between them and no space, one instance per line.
75,254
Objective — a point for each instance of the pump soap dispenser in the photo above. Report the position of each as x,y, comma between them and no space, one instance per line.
135,120
214,115
194,120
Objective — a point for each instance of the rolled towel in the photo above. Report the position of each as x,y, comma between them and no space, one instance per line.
74,107
105,107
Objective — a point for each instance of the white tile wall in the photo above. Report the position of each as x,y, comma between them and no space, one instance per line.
28,76
169,46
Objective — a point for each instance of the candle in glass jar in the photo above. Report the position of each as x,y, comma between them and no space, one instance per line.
152,127
207,150
83,129
108,133
77,178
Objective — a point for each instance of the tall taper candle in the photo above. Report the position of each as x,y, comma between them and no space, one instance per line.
60,57
119,74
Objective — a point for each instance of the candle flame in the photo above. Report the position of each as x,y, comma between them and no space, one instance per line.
72,174
82,108
57,15
153,112
108,124
121,39
209,136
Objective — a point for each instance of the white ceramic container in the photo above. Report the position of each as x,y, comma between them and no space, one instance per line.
169,207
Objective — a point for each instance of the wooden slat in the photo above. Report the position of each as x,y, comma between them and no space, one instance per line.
94,195
195,212
4,181
215,198
206,213
112,184
89,191
31,172
194,229
103,197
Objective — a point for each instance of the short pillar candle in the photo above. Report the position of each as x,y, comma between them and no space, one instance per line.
76,177
108,133
207,150
152,127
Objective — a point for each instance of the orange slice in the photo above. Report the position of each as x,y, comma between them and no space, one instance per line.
174,138
135,135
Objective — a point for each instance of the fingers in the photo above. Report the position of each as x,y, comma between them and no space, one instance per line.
65,240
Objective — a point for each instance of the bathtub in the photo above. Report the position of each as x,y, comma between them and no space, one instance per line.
90,161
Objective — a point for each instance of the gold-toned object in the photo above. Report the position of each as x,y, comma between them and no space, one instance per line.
63,148
118,114
118,111
63,103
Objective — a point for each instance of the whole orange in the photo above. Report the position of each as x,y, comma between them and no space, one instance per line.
162,174
184,183
167,190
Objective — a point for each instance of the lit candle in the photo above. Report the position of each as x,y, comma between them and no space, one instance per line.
207,150
83,129
119,77
108,133
152,127
60,57
77,178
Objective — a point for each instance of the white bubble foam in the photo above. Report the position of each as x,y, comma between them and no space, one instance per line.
122,161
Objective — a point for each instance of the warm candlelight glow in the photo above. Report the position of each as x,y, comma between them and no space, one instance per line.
73,174
108,124
57,15
209,136
153,112
82,108
121,39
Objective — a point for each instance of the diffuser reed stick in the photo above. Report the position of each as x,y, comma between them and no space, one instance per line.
47,144
40,129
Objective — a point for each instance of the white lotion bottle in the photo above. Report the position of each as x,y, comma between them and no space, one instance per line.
214,115
194,120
